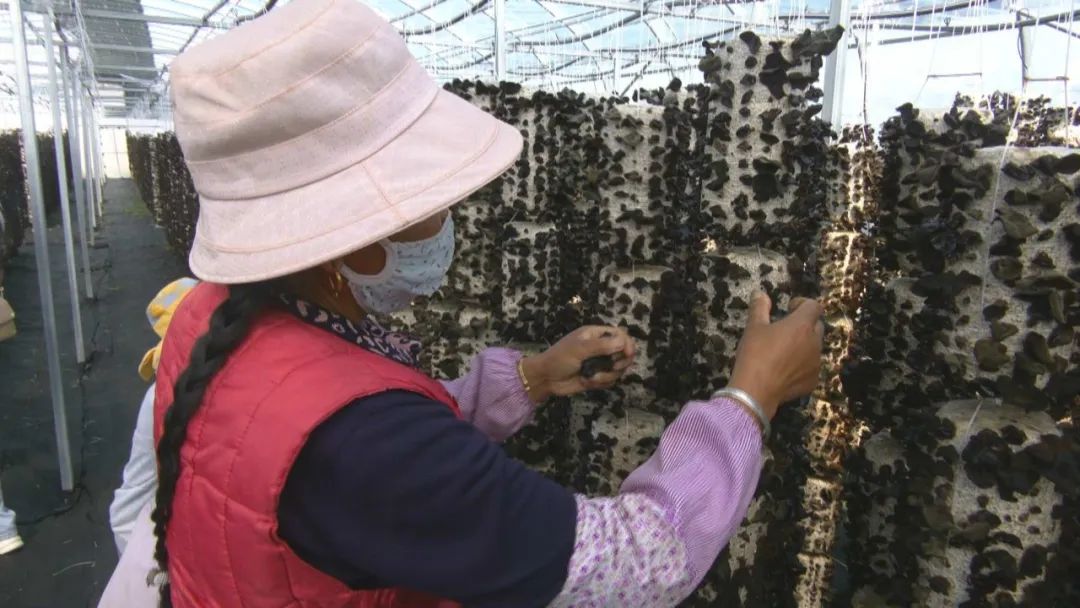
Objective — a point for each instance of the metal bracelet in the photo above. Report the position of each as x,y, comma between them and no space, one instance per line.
744,398
521,374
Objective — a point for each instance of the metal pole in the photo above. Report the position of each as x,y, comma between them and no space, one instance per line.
80,179
95,158
616,74
1026,47
100,163
500,40
95,162
71,99
41,247
100,155
88,168
76,171
836,64
65,206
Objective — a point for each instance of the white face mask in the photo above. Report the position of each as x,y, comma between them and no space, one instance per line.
412,269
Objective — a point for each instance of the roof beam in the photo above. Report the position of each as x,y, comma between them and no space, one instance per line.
1049,24
950,31
608,4
132,49
95,13
124,68
660,8
34,63
114,85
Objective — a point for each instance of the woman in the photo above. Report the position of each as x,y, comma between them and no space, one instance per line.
303,459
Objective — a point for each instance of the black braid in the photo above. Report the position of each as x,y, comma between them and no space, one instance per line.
228,325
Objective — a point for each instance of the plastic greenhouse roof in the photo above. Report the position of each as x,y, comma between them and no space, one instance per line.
603,46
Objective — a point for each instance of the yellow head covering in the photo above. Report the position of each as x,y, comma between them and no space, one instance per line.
160,313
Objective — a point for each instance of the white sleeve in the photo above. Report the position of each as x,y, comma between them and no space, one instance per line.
140,475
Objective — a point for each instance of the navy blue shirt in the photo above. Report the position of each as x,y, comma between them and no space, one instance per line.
395,491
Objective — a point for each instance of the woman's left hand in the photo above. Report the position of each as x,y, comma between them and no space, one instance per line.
557,371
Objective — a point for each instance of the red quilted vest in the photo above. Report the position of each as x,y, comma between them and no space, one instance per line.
282,381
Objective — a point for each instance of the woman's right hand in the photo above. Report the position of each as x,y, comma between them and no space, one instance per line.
781,361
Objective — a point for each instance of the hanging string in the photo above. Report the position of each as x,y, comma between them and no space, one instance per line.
863,49
1065,81
982,17
935,39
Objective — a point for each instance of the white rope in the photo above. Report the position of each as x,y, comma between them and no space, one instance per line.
1009,140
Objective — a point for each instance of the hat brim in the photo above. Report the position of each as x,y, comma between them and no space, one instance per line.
452,150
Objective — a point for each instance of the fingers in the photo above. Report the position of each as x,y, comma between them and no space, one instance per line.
631,347
760,307
819,325
796,302
602,380
592,332
807,310
808,313
605,340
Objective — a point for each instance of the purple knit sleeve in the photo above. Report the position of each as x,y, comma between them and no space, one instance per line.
491,395
653,543
703,474
626,553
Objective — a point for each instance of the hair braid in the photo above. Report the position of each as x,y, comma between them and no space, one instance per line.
229,324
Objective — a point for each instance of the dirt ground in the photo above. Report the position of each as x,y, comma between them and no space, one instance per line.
69,553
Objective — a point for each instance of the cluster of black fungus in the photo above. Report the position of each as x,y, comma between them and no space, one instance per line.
14,197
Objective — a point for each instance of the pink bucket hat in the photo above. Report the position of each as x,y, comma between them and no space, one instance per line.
312,132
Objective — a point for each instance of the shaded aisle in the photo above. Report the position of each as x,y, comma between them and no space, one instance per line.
69,552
